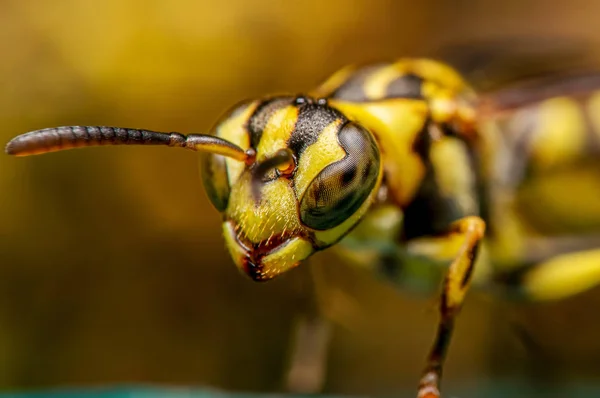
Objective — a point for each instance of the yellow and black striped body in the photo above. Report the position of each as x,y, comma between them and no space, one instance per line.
531,171
421,112
442,155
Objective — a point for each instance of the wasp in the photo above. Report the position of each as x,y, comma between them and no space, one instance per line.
499,179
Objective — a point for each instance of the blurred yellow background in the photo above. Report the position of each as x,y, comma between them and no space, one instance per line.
112,265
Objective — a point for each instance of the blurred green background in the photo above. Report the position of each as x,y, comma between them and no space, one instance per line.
112,266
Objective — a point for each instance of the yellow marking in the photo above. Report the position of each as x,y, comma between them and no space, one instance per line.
277,132
443,106
237,253
334,82
563,276
443,86
454,172
438,248
286,257
395,124
565,201
444,249
233,130
434,71
377,84
431,89
317,156
472,229
560,136
275,215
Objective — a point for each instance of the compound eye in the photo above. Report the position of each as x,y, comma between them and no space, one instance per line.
217,171
213,170
339,190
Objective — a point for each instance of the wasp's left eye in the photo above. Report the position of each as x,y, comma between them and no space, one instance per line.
341,188
214,177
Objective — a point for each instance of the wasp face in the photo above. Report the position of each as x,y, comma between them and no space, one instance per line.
313,176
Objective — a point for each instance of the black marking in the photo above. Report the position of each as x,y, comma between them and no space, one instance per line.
472,256
353,89
95,134
442,340
348,176
511,281
254,270
406,86
430,212
259,119
312,120
390,267
267,170
482,185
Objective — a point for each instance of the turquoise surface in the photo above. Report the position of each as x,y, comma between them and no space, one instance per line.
491,390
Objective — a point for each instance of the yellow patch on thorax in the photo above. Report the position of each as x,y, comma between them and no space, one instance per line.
334,82
395,124
433,71
377,84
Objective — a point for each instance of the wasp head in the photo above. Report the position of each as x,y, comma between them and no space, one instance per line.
312,177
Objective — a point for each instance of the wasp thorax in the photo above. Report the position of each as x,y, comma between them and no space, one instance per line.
313,175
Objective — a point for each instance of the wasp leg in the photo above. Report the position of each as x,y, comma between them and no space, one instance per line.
307,371
310,340
325,305
456,283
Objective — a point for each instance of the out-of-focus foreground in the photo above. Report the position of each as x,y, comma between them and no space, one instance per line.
112,265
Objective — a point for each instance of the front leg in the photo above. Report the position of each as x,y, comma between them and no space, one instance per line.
456,283
307,363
